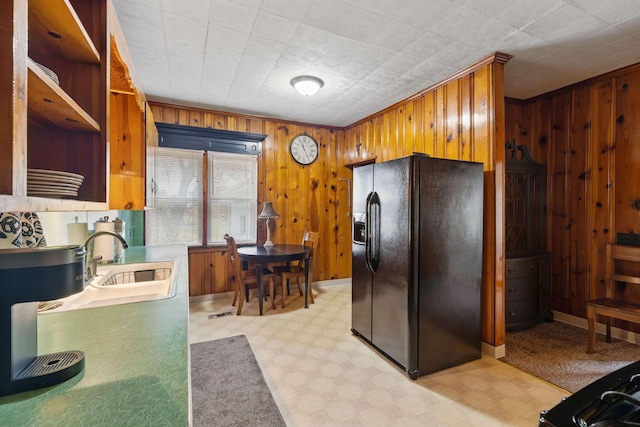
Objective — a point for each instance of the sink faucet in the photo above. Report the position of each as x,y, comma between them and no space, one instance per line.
93,262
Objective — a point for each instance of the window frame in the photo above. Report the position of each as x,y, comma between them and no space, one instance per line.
214,140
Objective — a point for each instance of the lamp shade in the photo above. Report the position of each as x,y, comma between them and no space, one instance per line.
268,212
307,85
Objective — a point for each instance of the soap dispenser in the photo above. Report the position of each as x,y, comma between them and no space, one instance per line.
29,275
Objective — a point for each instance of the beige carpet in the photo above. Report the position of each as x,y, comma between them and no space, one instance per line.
556,353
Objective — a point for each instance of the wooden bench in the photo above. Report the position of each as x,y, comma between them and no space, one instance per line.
610,307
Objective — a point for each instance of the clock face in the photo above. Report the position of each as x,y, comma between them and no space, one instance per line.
304,149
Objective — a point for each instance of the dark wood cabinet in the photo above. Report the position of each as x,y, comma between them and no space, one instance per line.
528,266
528,293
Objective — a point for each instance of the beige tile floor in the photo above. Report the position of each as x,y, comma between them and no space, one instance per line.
322,375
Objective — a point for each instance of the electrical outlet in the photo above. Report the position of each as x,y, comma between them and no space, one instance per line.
629,239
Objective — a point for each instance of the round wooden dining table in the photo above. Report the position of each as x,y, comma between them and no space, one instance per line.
260,255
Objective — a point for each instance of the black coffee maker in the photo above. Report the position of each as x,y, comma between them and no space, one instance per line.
27,276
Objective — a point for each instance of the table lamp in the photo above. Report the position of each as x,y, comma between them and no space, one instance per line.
266,214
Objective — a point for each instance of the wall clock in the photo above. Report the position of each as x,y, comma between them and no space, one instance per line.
304,149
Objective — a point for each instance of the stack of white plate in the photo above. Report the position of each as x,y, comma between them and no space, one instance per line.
48,183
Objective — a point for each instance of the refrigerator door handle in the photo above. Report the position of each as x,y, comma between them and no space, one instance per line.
372,232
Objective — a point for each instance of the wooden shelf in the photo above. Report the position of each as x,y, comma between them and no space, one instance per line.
360,162
48,101
56,30
56,125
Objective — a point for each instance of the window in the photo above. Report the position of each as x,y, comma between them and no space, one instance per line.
228,161
177,217
233,193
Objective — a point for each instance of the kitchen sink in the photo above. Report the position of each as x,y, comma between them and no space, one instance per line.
120,284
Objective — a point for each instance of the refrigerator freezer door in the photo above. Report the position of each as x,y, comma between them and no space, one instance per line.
360,274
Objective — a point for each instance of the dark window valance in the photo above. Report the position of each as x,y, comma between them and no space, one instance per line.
195,138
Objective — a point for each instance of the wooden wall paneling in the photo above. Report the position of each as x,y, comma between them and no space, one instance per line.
300,190
354,141
319,185
466,146
383,146
344,220
579,194
560,245
627,169
182,117
314,189
209,271
156,112
220,272
324,206
367,139
541,150
282,190
254,125
452,121
196,274
600,206
318,190
340,221
408,129
484,151
208,120
541,145
494,220
291,188
418,124
526,135
165,115
161,114
267,193
127,153
512,110
346,151
429,118
378,148
395,144
295,199
439,148
400,123
627,176
232,123
587,134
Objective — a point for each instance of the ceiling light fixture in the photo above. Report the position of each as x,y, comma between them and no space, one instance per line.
307,85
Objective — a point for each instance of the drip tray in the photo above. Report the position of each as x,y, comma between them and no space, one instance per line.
50,363
45,371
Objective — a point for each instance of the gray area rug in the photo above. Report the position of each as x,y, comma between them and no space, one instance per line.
228,388
556,352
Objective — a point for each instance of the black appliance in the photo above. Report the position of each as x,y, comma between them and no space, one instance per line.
417,260
28,275
613,400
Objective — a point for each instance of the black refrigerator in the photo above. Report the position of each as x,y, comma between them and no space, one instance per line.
417,261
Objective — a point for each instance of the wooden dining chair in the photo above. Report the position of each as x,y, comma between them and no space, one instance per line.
296,271
244,278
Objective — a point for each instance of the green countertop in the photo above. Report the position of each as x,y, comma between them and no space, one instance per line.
136,361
